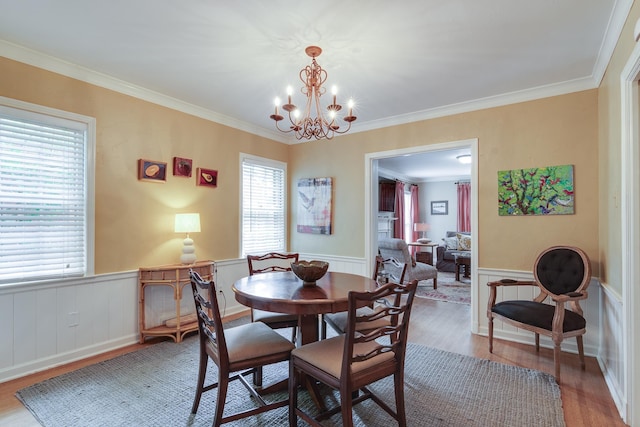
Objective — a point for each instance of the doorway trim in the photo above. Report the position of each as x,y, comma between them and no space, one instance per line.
371,211
630,232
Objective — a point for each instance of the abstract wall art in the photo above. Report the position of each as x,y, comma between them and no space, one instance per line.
536,191
314,205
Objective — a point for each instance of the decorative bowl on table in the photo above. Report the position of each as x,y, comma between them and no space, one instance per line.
309,271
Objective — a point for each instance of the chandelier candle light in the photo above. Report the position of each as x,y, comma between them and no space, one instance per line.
187,223
302,123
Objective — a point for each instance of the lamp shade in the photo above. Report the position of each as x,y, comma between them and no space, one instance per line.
421,226
187,223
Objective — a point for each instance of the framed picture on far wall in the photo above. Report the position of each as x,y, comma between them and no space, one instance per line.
314,205
440,207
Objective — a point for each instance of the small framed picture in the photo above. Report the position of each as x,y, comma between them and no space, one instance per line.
182,166
207,177
150,170
440,207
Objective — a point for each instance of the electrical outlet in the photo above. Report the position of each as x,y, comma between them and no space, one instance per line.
72,319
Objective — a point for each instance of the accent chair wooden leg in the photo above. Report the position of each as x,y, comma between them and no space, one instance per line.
556,359
581,352
435,283
490,334
537,342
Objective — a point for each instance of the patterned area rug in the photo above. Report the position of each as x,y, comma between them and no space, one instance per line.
155,387
449,289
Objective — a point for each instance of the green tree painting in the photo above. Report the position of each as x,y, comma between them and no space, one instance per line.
537,191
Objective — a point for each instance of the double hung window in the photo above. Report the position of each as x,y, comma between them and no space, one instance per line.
46,193
263,202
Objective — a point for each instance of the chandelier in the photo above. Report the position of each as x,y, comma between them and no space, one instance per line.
311,121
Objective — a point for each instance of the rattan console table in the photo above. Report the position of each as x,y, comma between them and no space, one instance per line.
175,276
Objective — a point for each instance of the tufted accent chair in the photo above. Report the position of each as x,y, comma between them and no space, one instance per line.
562,273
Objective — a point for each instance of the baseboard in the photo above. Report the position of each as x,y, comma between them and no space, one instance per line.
43,364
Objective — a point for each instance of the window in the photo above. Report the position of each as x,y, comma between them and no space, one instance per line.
263,201
46,193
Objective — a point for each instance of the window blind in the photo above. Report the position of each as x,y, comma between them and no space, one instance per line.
42,197
263,206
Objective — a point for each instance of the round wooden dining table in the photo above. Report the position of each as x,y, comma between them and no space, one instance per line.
282,292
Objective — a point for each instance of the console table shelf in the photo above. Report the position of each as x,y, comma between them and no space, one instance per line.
175,276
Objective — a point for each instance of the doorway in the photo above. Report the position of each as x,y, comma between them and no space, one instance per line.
371,206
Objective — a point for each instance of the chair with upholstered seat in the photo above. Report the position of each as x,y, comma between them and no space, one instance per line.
562,274
338,321
351,361
238,349
266,263
399,250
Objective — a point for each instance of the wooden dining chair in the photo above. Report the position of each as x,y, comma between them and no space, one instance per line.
562,275
351,361
239,350
266,263
338,321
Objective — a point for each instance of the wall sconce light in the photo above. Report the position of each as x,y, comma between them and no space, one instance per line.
187,223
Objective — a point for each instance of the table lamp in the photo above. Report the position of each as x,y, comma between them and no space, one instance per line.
187,223
422,227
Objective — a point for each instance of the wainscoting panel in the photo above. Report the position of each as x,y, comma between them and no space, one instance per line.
49,324
611,355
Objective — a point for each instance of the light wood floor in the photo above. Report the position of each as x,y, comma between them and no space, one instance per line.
442,325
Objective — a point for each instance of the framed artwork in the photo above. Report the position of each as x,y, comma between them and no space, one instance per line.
149,170
314,205
207,177
182,166
440,207
536,191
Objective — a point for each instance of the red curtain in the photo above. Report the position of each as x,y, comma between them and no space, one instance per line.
464,206
398,230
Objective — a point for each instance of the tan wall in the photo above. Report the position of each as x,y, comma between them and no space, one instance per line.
134,219
610,120
553,131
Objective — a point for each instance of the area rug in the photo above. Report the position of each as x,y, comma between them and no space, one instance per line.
155,387
449,289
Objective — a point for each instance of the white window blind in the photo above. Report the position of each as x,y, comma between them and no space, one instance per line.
43,196
263,205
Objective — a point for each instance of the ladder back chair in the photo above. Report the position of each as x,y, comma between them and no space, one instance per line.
351,361
562,274
338,321
267,263
238,351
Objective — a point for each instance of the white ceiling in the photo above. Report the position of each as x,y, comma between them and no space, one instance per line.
400,61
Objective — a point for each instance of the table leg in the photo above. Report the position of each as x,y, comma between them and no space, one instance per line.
308,324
